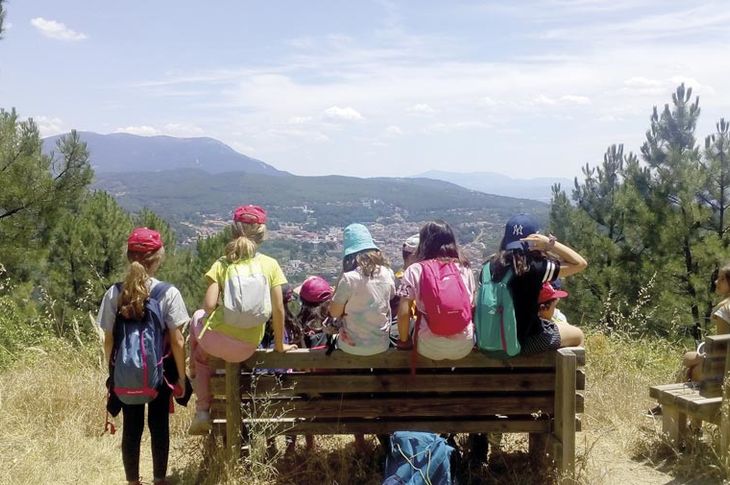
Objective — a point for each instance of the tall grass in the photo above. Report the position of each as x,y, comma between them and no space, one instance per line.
52,415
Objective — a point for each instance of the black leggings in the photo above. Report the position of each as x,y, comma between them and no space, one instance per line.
158,420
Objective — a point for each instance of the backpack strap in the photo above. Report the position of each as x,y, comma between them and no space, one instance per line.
159,290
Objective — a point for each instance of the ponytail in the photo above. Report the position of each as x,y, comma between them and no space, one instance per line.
134,289
246,240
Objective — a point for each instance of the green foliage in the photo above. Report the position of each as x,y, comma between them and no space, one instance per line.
653,230
37,190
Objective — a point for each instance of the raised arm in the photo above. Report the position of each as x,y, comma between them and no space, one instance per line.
570,261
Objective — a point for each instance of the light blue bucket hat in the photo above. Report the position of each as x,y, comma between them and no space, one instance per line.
356,238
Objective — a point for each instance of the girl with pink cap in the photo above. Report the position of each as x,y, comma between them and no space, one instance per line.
244,291
145,253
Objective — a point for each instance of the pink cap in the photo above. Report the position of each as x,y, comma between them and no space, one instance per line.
144,240
547,293
249,214
315,289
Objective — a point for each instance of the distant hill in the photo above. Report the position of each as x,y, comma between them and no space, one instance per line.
498,184
123,152
192,196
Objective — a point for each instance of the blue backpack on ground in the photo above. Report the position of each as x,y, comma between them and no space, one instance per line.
139,351
494,320
417,458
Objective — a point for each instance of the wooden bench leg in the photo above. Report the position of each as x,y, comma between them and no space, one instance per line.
538,446
233,410
674,424
564,424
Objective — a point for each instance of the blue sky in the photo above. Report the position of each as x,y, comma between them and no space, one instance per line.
366,88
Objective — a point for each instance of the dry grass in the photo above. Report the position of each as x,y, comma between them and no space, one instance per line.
52,415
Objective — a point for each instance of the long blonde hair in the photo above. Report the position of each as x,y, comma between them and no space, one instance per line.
142,266
246,240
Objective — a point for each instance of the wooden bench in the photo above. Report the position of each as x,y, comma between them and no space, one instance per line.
343,394
699,400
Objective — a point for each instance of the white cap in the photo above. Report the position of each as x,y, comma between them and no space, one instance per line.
411,243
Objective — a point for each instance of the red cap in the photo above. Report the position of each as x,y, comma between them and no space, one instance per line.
547,293
249,214
144,240
315,289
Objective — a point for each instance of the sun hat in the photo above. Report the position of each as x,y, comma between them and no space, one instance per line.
411,244
356,238
518,227
315,289
249,214
547,293
144,240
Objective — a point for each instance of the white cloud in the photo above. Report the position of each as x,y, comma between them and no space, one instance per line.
394,130
299,120
143,130
486,101
170,129
571,98
338,113
56,30
421,108
49,125
544,100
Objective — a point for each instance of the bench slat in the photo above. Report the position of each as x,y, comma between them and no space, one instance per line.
432,407
386,427
295,384
307,359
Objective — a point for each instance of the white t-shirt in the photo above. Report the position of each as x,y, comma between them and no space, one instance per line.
430,345
171,304
722,311
366,322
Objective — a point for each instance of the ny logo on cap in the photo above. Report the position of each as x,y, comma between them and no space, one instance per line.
517,230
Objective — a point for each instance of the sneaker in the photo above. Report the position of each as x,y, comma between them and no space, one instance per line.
655,411
200,424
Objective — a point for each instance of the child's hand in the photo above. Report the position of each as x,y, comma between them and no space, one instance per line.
286,348
178,390
404,345
537,241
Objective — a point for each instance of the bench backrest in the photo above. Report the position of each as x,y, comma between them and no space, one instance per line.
343,393
715,365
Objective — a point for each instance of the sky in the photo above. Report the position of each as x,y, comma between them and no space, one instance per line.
371,88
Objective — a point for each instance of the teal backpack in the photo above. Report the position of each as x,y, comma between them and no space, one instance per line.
494,321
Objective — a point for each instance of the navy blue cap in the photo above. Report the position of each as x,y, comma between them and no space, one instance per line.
517,228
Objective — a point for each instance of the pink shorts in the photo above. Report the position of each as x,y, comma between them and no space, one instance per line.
217,344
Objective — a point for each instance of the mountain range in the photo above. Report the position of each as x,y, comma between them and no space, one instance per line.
123,152
498,184
193,182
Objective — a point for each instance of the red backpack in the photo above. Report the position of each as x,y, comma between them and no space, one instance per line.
446,300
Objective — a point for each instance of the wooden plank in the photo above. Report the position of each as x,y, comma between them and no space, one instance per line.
667,392
233,411
717,345
317,383
579,402
524,425
580,380
391,359
713,367
565,407
393,407
674,424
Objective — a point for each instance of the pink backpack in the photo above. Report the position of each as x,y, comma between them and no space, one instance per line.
444,296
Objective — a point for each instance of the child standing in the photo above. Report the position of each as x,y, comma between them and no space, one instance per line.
233,330
362,295
145,254
437,245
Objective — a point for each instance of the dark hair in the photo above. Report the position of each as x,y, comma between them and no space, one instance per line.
517,259
437,240
369,261
291,327
311,316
